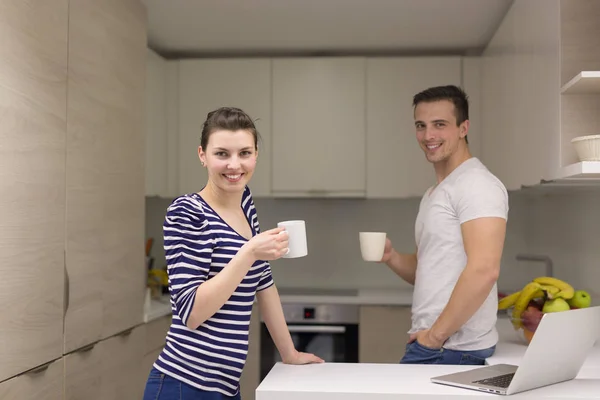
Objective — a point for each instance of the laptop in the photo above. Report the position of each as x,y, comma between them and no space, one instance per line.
556,353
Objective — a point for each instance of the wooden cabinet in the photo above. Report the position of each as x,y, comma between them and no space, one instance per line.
205,85
33,85
383,333
105,170
530,109
319,127
156,333
250,378
396,165
44,383
107,370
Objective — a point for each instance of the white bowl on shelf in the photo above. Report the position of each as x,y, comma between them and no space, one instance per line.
587,147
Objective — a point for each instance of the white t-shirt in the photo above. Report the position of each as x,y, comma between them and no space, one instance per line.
470,191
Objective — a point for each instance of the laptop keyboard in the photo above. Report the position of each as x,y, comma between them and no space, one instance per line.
499,381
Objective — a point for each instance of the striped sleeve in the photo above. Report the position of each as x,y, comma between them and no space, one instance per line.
266,279
188,248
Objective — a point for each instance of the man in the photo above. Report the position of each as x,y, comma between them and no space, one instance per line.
459,231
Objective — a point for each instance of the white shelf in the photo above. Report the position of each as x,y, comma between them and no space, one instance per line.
585,170
586,82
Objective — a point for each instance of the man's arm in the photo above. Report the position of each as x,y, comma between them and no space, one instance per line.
404,265
483,239
272,313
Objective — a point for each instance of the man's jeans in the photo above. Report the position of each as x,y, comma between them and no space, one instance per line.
416,353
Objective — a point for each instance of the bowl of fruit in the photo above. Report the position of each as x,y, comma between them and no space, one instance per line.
538,297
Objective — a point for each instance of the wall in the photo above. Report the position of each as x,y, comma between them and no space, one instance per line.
334,259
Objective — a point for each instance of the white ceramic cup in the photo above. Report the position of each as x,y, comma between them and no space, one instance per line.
372,245
296,231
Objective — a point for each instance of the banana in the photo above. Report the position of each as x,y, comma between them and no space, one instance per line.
566,291
551,291
530,291
508,301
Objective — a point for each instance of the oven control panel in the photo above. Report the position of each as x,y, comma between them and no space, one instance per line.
326,313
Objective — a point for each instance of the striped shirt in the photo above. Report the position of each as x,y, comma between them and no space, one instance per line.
198,245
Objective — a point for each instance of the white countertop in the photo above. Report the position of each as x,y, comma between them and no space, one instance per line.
157,308
402,297
352,381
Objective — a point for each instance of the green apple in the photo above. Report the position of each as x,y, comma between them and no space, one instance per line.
556,305
581,299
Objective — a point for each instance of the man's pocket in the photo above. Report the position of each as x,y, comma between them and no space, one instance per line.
416,353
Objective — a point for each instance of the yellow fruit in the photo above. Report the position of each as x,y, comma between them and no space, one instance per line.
530,291
508,301
551,291
566,291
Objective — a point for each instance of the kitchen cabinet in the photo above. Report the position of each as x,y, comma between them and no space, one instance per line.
156,333
396,166
250,378
383,333
319,127
207,84
105,170
107,370
45,383
531,110
33,85
156,161
161,126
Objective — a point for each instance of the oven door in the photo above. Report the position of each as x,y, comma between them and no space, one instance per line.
331,342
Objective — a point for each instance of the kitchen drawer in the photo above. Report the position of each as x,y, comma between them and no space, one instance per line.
156,331
44,383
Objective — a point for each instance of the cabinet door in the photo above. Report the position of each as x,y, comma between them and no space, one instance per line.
33,85
105,169
205,85
156,125
383,333
122,356
319,126
250,378
83,374
396,165
44,383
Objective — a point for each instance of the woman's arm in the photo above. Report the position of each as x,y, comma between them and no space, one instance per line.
272,313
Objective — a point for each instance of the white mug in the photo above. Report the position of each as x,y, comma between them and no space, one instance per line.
296,231
372,245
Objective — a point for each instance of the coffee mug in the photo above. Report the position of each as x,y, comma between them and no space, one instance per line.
296,231
372,245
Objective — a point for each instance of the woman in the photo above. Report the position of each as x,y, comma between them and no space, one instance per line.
217,262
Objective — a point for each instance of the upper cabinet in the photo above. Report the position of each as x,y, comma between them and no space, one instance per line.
329,126
396,165
319,127
33,97
532,104
104,171
205,85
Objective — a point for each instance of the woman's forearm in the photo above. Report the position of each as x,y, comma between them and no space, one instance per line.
272,314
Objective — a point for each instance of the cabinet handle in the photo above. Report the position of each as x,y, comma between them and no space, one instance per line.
126,333
67,293
39,369
87,348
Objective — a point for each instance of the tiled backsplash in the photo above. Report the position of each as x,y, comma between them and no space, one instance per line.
535,226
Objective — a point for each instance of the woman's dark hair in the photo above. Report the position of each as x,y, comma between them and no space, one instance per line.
227,118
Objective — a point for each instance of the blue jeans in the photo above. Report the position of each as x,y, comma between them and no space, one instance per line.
163,387
416,353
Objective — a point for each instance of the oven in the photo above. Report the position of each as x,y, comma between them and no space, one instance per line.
329,331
